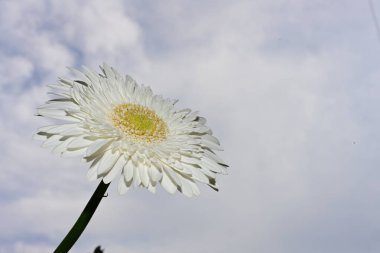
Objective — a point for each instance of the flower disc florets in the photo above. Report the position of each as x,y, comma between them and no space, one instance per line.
122,128
139,123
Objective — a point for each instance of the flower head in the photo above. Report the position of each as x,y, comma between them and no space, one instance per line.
122,128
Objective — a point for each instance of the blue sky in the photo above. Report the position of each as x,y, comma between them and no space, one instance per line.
291,88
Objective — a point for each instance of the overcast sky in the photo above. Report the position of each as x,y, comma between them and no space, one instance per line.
290,87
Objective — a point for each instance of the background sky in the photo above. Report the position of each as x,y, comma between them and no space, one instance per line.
290,87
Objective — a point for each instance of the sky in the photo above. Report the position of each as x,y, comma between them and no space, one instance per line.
291,88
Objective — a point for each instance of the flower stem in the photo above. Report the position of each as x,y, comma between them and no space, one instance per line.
83,219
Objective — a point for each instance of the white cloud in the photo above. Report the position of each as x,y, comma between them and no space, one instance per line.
30,51
14,71
20,247
97,26
98,31
289,87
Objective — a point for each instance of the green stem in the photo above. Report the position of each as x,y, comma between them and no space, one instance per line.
83,219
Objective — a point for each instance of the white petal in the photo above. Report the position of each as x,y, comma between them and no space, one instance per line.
61,147
201,129
190,160
152,188
213,166
40,136
128,171
51,112
79,142
57,129
73,132
194,188
46,128
57,114
185,187
92,173
136,176
183,168
213,156
115,170
144,175
107,162
173,175
61,86
168,184
52,141
198,175
77,72
72,153
207,172
108,71
60,105
154,173
214,185
211,145
210,138
97,148
191,117
122,187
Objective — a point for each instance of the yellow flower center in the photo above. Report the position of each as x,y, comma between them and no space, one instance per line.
139,123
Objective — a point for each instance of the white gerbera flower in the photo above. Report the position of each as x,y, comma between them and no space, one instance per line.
122,128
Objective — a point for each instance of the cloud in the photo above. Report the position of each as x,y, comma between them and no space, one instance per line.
93,29
16,71
20,247
98,31
29,52
290,87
